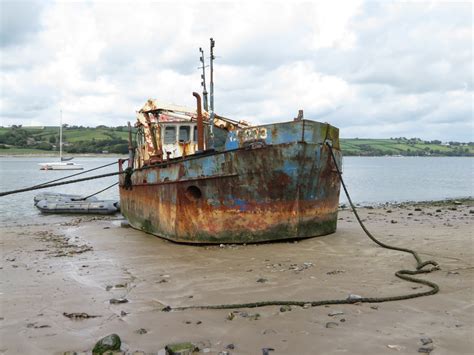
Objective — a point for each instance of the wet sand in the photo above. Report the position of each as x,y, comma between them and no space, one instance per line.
77,265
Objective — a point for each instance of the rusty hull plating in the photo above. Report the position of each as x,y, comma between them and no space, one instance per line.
269,182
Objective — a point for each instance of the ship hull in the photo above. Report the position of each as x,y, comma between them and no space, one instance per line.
251,192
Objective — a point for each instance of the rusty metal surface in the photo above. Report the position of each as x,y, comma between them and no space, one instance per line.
275,183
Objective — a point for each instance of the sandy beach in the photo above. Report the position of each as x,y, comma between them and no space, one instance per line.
53,268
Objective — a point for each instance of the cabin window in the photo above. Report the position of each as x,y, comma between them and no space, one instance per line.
170,135
184,133
195,134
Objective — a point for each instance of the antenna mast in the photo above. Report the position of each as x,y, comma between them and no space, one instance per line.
211,119
203,80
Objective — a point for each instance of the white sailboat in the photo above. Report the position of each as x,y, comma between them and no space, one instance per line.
63,163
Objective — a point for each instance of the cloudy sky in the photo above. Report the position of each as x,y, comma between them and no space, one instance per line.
374,69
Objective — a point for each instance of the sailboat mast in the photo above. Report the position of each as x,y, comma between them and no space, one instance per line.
61,135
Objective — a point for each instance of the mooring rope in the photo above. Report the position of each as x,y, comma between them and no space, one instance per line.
402,274
39,187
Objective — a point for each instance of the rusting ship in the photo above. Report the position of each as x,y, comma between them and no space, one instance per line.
197,177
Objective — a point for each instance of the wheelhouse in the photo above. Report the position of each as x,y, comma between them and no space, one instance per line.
166,132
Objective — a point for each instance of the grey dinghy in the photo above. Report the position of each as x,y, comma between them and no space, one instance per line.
80,207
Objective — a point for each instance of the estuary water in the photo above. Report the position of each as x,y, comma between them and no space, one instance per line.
370,180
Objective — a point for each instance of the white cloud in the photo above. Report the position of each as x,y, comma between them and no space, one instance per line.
374,69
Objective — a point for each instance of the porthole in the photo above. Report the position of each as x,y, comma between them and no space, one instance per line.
193,193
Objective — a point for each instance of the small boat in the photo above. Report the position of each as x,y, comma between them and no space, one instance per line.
197,177
63,163
79,207
60,166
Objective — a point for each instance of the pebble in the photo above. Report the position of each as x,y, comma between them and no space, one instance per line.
180,349
395,347
224,352
266,351
118,300
374,307
332,325
110,342
230,346
268,331
353,297
418,209
426,340
335,313
262,280
285,308
255,316
438,210
393,221
426,349
141,331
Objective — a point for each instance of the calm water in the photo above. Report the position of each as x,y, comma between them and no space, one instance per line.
369,180
17,173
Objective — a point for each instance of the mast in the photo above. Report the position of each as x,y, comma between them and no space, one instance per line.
211,84
60,135
203,80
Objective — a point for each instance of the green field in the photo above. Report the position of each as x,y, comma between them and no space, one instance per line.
378,147
37,140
